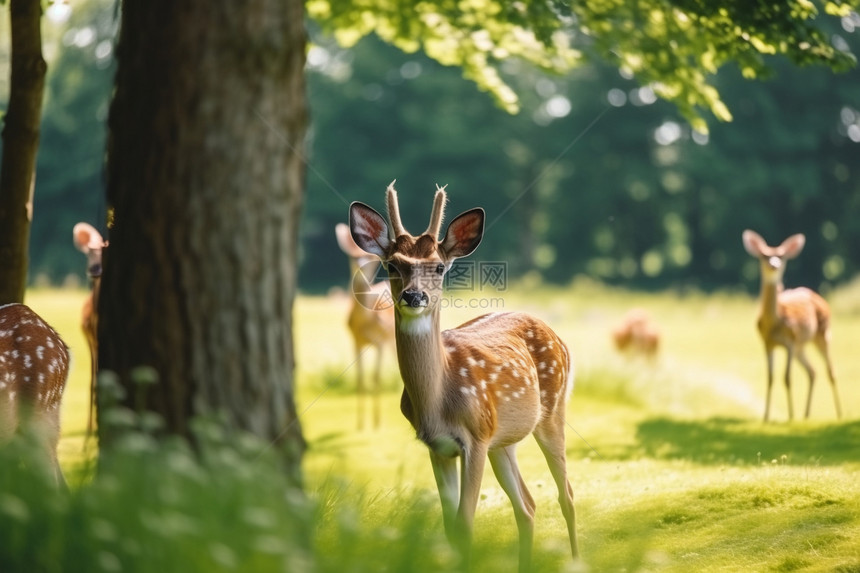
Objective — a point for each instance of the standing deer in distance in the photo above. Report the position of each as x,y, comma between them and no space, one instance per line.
34,367
789,318
90,242
637,335
477,390
371,316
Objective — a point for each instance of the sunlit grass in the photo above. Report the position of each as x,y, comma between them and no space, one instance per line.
671,466
648,441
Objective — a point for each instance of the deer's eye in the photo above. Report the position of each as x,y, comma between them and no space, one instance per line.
440,269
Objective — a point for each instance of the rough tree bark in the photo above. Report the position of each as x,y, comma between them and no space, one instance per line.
20,144
206,177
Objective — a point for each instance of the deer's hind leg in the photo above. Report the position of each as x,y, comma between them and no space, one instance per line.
822,342
550,437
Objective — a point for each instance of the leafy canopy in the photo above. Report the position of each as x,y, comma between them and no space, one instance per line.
676,46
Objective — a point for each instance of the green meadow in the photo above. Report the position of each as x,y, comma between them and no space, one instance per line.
672,467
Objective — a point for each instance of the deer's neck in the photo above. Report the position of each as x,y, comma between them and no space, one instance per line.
423,363
769,293
96,291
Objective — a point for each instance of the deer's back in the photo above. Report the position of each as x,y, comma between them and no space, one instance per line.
34,366
803,314
515,366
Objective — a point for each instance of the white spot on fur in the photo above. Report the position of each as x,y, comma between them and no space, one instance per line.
463,372
530,334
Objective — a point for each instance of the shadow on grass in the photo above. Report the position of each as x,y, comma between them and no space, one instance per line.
728,440
755,524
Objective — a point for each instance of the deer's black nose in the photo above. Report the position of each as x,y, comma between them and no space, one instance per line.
414,298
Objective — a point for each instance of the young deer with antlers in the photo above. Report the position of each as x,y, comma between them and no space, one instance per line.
371,316
477,390
90,242
789,318
34,366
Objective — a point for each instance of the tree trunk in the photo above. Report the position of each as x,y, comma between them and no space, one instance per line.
205,179
20,144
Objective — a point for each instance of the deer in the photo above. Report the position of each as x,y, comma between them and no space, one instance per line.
90,242
34,367
637,335
789,318
475,391
371,316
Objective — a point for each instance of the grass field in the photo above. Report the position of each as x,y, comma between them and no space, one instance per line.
672,468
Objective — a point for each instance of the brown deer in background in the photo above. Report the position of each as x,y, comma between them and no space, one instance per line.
34,366
371,316
637,335
477,390
789,318
90,242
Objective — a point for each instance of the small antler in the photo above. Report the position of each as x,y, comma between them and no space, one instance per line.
396,228
438,212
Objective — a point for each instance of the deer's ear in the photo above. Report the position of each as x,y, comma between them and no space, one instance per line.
753,243
86,237
464,234
369,230
345,242
792,246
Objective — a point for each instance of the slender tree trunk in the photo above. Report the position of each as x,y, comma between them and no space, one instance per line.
20,144
205,177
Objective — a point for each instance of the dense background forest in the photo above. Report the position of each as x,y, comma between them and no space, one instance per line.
604,179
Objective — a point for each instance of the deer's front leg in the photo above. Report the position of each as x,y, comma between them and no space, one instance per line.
448,484
474,457
769,356
359,383
789,356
